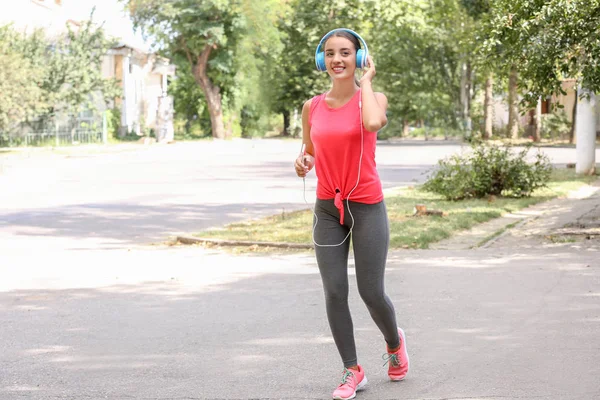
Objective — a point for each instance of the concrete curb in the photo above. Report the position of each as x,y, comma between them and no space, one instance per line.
221,242
505,231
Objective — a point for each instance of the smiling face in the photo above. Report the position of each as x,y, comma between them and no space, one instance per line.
340,57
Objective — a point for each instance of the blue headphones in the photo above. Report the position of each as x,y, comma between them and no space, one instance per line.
361,54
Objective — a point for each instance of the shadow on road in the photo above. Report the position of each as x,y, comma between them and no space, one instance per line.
130,223
464,315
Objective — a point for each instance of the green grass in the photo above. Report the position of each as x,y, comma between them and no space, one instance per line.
406,231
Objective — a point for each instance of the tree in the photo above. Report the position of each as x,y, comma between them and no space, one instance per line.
250,95
488,107
547,41
74,73
513,103
21,95
189,102
205,33
44,76
290,76
418,59
478,11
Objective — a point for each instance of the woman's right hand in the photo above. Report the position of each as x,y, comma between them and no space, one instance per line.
303,164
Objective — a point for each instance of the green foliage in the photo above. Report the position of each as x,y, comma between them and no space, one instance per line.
489,170
262,52
75,71
189,102
290,77
555,125
18,83
250,102
201,37
548,41
113,122
220,47
186,129
417,48
476,8
43,76
186,27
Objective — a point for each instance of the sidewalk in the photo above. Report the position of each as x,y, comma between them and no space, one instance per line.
573,221
562,220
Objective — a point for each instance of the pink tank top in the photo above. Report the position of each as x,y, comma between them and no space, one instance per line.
335,134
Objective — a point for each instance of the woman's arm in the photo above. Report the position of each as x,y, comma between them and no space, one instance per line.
374,105
306,128
305,162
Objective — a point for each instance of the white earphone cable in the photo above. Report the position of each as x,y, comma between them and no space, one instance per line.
362,144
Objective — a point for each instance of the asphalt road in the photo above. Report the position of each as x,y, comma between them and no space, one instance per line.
181,323
146,194
89,310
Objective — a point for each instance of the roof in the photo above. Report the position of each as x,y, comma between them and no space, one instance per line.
123,45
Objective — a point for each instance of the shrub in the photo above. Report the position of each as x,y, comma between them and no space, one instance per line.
555,125
113,122
489,170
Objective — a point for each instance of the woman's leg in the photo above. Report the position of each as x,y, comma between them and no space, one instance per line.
370,240
333,266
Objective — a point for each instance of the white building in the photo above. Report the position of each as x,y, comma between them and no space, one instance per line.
144,102
143,77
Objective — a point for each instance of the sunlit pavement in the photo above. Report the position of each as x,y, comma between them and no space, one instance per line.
89,309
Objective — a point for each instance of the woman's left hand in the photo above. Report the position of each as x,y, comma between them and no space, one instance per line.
369,71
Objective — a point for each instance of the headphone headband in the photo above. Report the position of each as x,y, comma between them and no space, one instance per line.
361,54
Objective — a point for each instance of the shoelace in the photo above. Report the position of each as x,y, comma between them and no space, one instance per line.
346,375
391,358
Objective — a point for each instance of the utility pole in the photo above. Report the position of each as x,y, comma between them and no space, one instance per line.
585,131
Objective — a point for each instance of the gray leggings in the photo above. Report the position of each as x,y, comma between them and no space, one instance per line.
370,240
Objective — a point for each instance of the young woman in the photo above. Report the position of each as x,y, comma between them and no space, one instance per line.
339,137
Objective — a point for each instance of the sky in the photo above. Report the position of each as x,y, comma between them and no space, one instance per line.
116,20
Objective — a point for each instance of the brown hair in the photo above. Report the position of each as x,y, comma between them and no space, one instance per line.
346,35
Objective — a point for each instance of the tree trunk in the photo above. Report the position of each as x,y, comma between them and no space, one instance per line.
468,97
286,123
465,96
513,104
211,92
488,107
537,133
572,137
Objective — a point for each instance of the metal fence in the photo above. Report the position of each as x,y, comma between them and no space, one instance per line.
65,132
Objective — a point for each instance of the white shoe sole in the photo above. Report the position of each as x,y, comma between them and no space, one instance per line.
360,386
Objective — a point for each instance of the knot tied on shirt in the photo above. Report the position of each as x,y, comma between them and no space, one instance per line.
339,204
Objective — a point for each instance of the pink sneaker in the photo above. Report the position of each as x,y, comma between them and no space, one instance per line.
351,382
398,361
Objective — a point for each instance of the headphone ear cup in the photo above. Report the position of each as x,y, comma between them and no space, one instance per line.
361,59
320,61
